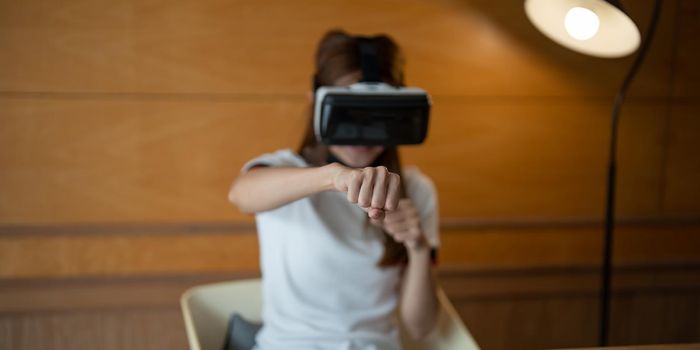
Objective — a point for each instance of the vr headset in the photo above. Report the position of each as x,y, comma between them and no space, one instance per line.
370,112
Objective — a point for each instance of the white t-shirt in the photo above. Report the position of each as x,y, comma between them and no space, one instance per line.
322,288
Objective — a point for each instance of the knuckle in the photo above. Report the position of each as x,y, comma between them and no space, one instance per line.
395,178
356,175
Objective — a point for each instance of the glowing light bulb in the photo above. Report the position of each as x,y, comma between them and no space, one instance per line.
581,23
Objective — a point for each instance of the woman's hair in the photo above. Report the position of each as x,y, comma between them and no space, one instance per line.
338,55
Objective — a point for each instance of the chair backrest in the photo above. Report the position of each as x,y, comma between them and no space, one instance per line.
206,310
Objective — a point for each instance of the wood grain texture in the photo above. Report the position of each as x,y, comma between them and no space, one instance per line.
520,308
532,158
687,72
682,192
453,47
85,294
115,329
567,247
164,160
145,111
572,322
67,255
124,255
116,161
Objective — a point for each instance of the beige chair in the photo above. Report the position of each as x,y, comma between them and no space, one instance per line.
206,310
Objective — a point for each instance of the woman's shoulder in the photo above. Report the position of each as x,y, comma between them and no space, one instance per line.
279,157
418,184
415,174
289,155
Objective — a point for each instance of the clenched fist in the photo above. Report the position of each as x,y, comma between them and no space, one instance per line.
374,189
403,225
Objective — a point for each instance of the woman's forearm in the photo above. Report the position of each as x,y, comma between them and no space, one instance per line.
267,188
419,304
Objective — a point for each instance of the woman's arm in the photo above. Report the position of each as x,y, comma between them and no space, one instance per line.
419,305
266,188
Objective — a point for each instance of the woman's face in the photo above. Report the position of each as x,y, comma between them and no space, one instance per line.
354,156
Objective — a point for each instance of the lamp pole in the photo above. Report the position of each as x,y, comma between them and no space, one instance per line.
611,179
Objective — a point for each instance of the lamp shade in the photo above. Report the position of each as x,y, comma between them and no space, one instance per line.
593,27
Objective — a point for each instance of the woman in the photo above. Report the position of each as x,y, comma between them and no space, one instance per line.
345,234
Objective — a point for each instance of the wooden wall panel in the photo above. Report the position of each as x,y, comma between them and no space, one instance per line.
547,309
115,160
510,309
453,47
122,114
574,246
664,319
67,255
687,72
121,255
539,158
548,322
94,329
542,324
682,193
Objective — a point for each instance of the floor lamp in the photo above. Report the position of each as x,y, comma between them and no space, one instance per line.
598,28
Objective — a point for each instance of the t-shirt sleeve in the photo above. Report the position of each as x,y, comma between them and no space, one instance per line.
280,158
422,192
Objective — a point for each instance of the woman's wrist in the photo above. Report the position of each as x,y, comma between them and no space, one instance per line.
419,247
329,172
